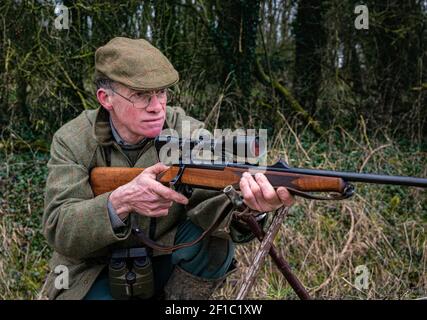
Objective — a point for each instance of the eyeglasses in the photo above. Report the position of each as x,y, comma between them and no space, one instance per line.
143,99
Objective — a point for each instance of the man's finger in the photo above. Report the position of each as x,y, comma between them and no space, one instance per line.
160,202
153,171
154,213
256,190
168,193
267,189
247,194
161,207
284,195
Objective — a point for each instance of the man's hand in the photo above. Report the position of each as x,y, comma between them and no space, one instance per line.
258,194
145,195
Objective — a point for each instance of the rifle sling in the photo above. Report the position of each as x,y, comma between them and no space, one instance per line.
155,246
348,192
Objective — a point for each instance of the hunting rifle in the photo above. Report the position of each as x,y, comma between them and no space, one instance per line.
307,183
216,176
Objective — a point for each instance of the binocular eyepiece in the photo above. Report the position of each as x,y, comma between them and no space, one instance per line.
131,274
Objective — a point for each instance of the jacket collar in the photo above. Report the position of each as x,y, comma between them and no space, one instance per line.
101,129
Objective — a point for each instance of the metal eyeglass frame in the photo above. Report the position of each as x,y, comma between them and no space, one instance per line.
149,99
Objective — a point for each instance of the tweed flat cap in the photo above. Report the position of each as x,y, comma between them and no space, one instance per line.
135,63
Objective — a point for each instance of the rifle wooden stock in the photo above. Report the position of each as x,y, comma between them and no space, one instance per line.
105,179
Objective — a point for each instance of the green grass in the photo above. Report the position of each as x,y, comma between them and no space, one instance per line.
24,252
382,227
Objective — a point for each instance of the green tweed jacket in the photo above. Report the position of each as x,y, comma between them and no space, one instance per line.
77,225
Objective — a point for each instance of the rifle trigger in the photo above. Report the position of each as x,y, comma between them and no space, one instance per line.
178,176
184,189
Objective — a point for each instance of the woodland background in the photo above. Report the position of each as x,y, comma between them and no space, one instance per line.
331,97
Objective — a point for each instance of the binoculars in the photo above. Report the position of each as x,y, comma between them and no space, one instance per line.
131,274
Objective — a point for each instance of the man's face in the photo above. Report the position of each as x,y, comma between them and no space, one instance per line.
132,118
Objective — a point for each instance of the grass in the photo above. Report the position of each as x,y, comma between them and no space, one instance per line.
381,227
23,252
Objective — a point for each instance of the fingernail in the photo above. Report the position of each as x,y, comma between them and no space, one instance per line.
282,191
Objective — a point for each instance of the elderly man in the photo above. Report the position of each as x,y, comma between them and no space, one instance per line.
91,235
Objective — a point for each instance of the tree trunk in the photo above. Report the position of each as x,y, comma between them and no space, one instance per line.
309,42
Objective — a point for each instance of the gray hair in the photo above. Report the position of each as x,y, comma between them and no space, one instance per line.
104,83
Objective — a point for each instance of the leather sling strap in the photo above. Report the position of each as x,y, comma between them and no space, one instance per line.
155,246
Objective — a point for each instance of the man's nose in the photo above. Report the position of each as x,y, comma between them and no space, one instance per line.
155,105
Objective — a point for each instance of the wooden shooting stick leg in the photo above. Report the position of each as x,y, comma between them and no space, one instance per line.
280,262
263,249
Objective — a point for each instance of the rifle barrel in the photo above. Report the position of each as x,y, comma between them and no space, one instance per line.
346,176
364,177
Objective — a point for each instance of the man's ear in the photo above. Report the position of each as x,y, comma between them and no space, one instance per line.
104,98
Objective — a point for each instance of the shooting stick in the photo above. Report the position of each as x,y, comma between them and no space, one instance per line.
267,245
